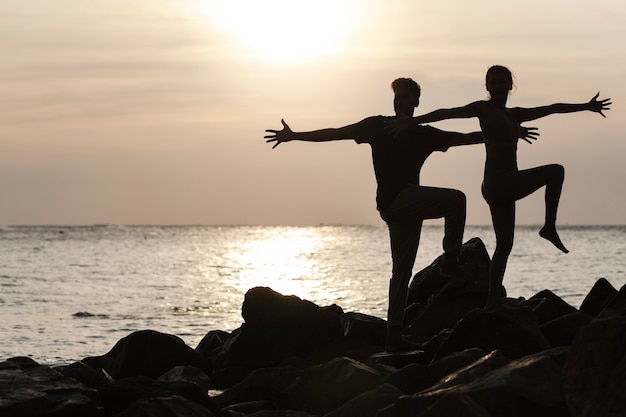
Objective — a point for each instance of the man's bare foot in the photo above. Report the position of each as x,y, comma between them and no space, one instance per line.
549,233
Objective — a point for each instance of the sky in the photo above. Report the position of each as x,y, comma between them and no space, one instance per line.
154,111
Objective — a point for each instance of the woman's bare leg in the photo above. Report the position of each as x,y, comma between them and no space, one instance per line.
520,184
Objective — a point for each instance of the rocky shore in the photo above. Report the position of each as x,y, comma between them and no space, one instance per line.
292,358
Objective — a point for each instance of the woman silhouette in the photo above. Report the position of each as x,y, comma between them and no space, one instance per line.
503,183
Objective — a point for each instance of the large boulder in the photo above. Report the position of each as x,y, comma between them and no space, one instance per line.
30,389
323,388
595,371
166,407
278,327
435,303
529,386
514,332
122,394
474,260
148,353
416,377
549,306
598,297
368,403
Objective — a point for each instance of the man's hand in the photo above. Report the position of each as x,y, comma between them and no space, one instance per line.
399,125
597,106
527,133
279,136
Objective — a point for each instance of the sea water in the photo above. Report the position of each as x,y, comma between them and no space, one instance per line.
71,292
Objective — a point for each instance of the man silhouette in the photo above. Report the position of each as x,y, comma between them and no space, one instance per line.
402,202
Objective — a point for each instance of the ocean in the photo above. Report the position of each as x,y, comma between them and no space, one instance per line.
71,292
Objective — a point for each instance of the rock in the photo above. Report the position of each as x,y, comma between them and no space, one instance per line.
174,406
323,388
550,306
473,259
189,374
122,394
265,307
260,385
529,386
562,330
455,405
30,389
278,327
442,311
595,370
616,307
599,296
281,413
93,378
474,371
368,403
149,353
436,304
514,332
363,334
415,377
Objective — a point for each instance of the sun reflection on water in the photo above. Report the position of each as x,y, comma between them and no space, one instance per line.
283,260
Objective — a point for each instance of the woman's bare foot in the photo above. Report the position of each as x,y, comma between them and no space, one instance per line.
549,233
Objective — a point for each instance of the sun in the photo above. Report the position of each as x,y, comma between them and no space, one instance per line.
285,31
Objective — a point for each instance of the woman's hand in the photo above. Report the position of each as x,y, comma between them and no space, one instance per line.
279,136
527,133
598,106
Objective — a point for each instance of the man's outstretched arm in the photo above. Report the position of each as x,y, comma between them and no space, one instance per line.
459,139
322,135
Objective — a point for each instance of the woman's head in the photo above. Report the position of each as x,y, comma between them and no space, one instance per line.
498,79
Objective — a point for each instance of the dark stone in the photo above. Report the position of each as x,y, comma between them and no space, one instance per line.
416,377
149,353
280,413
260,385
278,327
93,378
616,307
456,405
368,403
30,389
442,311
474,371
550,306
529,386
174,406
364,330
120,395
514,332
323,388
598,297
265,307
473,259
594,375
212,341
189,374
562,330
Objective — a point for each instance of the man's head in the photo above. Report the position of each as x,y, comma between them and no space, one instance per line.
406,96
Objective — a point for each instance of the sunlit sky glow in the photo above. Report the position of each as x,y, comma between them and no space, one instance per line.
153,112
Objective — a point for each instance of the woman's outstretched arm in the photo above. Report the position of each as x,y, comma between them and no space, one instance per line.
594,105
404,123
